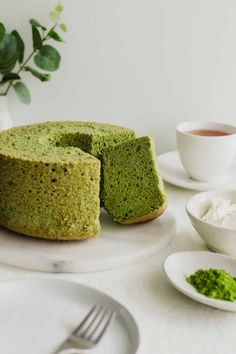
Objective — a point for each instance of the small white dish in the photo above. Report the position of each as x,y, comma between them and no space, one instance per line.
218,238
180,265
172,171
37,316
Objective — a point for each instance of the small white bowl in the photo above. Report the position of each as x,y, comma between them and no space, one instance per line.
218,238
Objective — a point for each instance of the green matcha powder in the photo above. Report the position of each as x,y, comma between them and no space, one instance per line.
214,283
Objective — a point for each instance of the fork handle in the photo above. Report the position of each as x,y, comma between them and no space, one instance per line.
74,345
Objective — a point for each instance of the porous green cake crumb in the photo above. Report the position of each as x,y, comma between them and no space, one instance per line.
132,186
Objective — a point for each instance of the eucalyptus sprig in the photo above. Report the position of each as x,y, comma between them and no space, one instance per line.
44,55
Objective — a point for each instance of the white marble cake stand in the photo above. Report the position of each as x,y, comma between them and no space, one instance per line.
118,245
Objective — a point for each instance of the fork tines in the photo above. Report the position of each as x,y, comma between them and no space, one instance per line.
95,323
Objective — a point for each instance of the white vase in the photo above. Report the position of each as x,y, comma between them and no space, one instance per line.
5,118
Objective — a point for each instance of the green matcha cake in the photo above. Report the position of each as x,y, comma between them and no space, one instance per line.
50,177
133,188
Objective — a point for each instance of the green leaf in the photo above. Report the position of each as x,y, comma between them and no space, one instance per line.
20,46
40,76
59,8
48,58
35,23
22,92
8,48
54,35
10,77
8,53
37,41
54,16
63,27
2,31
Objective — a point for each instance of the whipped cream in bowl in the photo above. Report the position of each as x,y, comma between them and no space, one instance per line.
221,212
213,215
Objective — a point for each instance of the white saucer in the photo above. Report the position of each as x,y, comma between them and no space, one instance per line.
180,265
172,171
37,316
117,245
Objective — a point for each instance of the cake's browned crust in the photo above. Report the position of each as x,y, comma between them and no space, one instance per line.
154,214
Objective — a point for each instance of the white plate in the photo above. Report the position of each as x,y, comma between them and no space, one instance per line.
172,171
37,315
180,265
118,245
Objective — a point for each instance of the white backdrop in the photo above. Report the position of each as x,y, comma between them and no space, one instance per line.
146,64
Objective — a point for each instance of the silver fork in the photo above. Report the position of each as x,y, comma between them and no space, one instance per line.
89,332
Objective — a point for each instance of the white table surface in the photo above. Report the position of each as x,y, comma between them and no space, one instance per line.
169,322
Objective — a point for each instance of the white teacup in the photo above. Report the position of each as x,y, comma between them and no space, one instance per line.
206,158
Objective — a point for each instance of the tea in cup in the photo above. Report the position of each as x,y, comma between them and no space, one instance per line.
206,149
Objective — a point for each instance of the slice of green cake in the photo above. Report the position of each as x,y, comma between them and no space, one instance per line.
133,188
